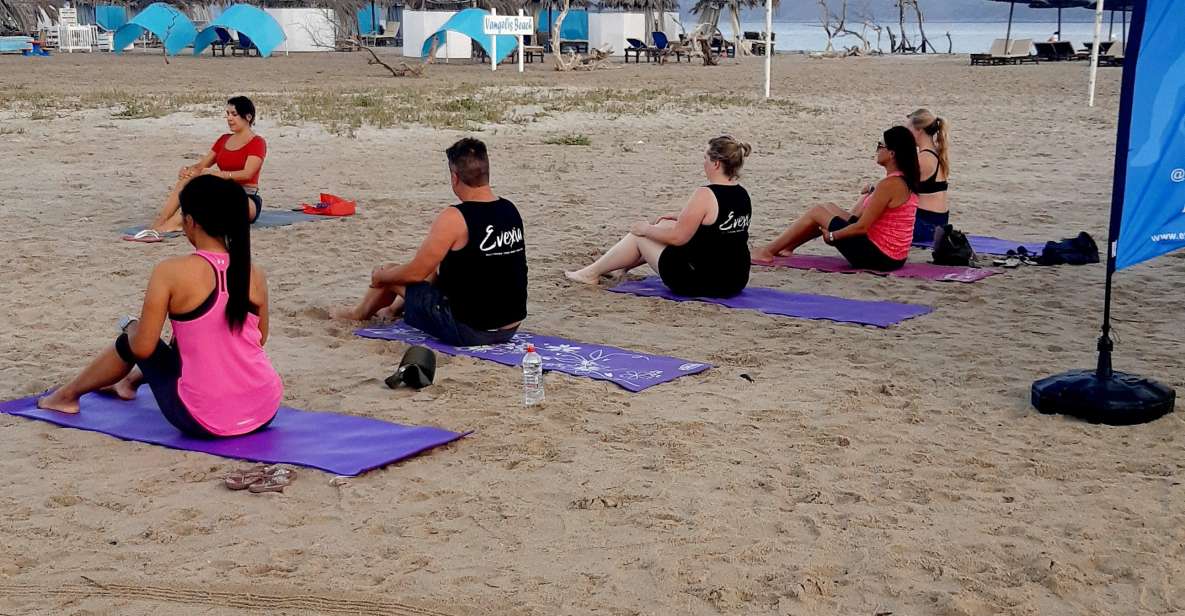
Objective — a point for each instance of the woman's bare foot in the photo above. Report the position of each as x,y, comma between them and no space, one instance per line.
122,390
56,401
583,277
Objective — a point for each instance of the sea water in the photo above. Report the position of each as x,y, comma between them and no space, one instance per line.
965,37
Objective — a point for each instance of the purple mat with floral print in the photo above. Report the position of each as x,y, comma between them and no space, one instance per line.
629,369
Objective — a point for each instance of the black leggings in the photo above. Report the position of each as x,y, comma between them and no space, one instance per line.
860,251
258,205
161,371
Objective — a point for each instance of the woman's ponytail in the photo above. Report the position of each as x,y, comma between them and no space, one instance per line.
942,142
238,273
221,209
934,126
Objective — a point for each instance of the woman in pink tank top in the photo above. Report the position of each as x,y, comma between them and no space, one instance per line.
878,232
214,379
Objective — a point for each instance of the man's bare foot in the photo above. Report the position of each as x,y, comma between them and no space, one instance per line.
761,255
390,313
786,252
122,390
583,277
346,313
58,402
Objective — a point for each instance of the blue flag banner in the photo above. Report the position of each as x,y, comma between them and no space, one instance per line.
1150,154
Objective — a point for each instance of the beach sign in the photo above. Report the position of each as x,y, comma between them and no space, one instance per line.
512,25
1148,202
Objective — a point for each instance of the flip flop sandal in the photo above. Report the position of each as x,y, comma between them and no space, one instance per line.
274,483
147,236
242,479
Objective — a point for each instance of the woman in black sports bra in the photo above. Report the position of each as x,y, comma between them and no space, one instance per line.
930,132
704,250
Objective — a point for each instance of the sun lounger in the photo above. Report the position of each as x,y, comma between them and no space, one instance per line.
1017,51
1021,51
573,46
1112,59
1064,51
1104,47
994,55
637,48
1046,52
221,43
663,47
244,44
530,51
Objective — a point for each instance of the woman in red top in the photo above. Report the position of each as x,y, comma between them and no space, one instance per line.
238,155
877,233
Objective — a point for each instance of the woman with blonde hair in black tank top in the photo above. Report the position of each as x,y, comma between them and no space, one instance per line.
933,139
704,250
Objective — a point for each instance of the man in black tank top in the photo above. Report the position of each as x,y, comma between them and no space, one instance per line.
467,284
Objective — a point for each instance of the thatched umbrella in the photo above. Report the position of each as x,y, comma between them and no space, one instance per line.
1060,5
20,16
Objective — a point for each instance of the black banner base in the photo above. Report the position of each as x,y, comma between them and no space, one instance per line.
1119,400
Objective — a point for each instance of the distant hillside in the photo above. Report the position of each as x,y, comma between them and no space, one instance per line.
934,10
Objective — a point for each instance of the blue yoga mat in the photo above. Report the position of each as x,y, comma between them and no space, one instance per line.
268,218
782,303
339,444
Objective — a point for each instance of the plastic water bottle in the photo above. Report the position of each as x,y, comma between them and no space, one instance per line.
532,377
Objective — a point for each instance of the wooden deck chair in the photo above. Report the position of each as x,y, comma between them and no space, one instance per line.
1064,51
221,43
1020,51
995,54
1046,51
637,48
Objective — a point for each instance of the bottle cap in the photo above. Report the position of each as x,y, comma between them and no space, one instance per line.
530,348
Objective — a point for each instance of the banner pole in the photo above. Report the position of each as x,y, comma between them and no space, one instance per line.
769,41
1094,53
520,46
493,45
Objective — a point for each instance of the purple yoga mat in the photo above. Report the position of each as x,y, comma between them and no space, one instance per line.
920,271
340,444
629,369
798,305
986,245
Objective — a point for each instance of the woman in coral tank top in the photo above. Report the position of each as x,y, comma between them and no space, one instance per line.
214,379
877,233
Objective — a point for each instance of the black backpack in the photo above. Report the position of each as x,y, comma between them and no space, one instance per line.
951,247
1079,250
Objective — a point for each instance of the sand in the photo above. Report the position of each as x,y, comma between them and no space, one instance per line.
862,471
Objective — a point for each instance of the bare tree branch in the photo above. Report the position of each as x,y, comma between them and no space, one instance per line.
352,42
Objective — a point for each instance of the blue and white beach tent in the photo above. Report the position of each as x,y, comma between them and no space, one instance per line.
257,24
170,25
